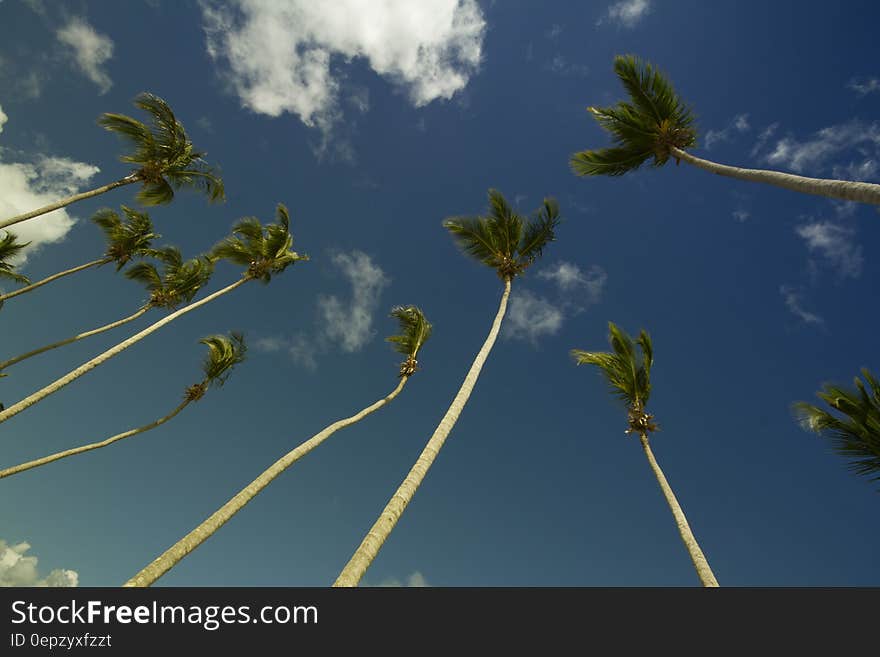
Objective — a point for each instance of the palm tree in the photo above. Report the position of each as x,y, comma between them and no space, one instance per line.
508,243
163,156
266,251
126,240
414,331
178,284
656,124
224,353
9,248
855,435
629,375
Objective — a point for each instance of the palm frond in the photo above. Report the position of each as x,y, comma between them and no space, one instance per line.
126,239
540,231
224,353
155,192
414,330
9,248
609,161
626,371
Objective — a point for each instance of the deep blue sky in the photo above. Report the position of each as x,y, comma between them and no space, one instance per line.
754,296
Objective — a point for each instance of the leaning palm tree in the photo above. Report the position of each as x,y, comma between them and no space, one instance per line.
178,283
163,157
855,433
657,125
266,250
414,331
126,239
629,375
224,353
9,248
508,243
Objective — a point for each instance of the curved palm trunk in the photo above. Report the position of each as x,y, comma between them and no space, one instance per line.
704,572
75,338
131,178
87,448
168,559
71,376
382,528
846,190
53,277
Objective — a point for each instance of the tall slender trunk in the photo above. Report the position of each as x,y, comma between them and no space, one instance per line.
131,178
382,528
168,559
87,448
704,572
846,190
53,277
75,338
71,376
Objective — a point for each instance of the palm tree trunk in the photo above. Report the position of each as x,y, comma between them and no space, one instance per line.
846,190
87,448
131,178
75,338
382,528
704,572
71,376
168,559
53,277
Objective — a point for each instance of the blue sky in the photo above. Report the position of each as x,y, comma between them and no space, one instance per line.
373,125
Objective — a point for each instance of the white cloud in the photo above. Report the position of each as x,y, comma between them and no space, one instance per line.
763,138
794,304
741,215
865,170
813,153
570,278
627,13
90,49
351,323
836,245
27,186
864,86
299,347
561,66
277,55
739,123
17,568
531,317
415,580
3,118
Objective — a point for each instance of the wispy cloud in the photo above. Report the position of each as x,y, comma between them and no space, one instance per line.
571,278
835,245
531,317
276,54
91,51
561,66
415,580
553,31
864,86
793,302
738,124
741,215
349,323
814,153
3,118
17,568
627,13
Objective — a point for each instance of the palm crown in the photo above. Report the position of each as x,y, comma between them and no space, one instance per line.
654,120
163,153
504,239
627,372
263,250
9,248
179,281
224,353
414,332
856,434
126,239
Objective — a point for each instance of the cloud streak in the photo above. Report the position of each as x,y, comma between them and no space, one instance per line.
626,13
17,568
91,51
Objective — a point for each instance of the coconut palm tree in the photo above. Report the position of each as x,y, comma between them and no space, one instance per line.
657,125
414,331
178,284
9,248
128,239
266,250
629,375
163,157
224,353
508,243
855,432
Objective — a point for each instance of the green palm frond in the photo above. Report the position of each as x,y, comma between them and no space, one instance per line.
224,353
654,120
264,250
9,248
179,281
415,330
163,153
127,239
503,239
626,371
854,432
